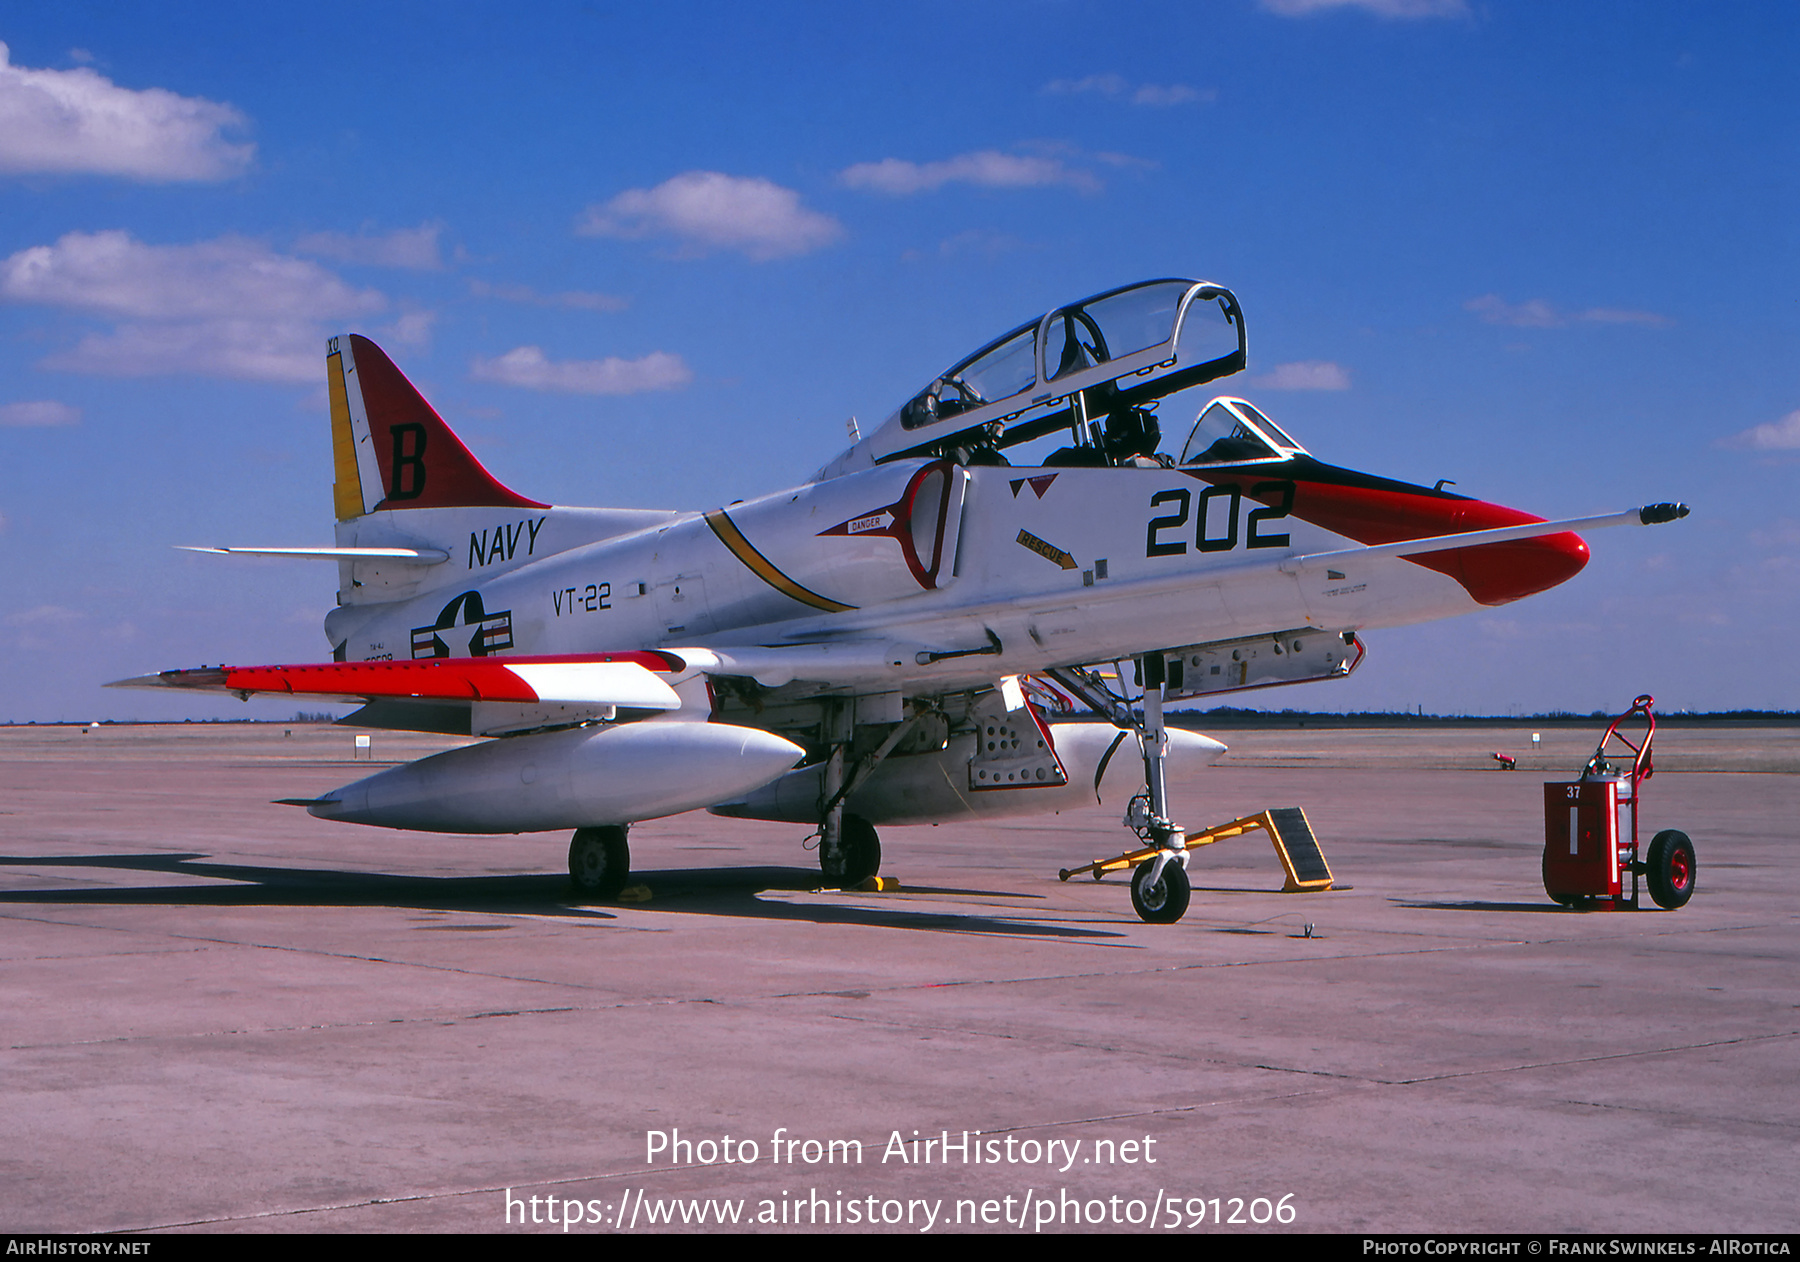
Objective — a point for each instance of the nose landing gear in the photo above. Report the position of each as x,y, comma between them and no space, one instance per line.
1159,886
1160,891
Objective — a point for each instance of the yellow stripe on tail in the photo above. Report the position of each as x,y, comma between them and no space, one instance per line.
346,492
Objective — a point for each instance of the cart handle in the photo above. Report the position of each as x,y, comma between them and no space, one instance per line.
1641,766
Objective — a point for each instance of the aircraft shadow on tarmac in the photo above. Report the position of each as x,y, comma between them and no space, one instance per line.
711,892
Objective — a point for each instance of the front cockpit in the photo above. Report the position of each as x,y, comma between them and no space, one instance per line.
1092,371
1232,431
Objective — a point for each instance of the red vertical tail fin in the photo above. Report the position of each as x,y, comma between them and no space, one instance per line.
390,448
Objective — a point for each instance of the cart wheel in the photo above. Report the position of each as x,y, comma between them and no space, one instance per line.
1558,896
1164,902
1670,869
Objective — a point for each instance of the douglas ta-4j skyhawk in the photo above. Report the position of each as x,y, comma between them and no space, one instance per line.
889,643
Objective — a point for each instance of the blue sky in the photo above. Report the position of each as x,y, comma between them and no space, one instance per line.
656,255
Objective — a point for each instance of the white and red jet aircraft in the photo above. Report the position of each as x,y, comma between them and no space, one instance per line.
867,649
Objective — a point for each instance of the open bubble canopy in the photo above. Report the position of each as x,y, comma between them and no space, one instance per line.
1076,365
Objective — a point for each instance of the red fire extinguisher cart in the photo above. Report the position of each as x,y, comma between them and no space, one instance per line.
1587,854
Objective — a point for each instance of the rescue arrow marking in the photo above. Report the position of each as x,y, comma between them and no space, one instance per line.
1049,551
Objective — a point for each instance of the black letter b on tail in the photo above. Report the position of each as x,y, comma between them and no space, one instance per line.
407,473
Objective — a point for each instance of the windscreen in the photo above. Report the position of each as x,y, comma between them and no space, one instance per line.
1221,437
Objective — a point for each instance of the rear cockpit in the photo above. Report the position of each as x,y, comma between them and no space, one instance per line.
1087,379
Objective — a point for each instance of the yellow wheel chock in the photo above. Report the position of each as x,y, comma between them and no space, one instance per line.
1287,826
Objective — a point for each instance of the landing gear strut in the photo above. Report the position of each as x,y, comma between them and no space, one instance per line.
849,850
599,861
1159,886
858,852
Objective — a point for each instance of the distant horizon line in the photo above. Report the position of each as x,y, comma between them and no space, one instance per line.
1230,715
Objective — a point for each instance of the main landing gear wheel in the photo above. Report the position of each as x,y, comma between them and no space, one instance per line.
599,861
1164,902
859,850
1670,869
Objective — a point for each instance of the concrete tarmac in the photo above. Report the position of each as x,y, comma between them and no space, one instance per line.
224,1015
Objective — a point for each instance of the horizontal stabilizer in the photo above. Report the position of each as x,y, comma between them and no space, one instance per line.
406,556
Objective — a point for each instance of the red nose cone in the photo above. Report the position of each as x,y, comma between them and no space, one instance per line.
1499,572
1378,511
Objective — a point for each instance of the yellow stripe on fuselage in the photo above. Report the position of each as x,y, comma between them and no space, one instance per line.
759,565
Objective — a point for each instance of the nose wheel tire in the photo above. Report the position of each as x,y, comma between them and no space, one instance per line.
860,851
1164,902
1670,869
599,861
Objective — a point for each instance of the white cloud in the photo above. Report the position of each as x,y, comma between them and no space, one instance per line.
39,412
705,210
1156,94
43,615
1782,435
1535,313
230,307
1306,374
979,241
412,329
575,299
1380,8
1784,534
46,626
1116,87
1616,315
80,122
984,169
528,367
230,277
1104,84
414,248
247,350
1124,160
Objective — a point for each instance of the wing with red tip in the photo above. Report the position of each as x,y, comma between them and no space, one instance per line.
627,680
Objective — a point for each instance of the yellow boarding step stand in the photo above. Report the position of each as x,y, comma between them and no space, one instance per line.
1288,828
